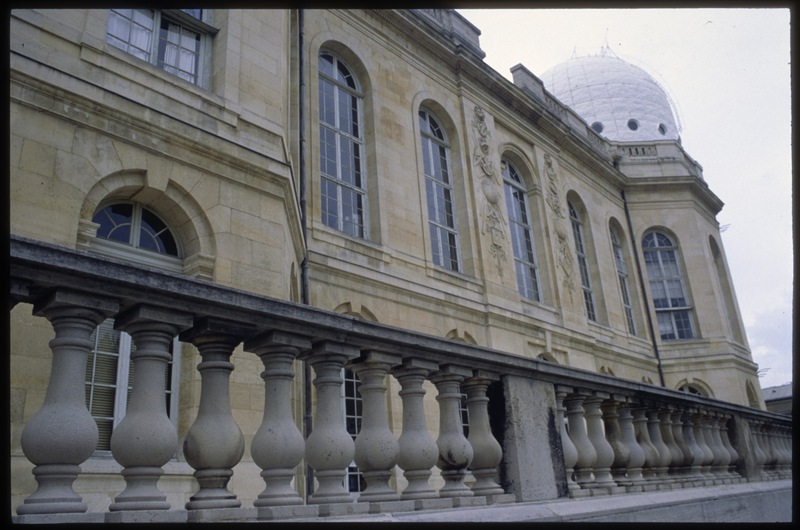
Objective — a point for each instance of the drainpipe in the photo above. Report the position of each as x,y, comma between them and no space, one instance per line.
642,286
304,297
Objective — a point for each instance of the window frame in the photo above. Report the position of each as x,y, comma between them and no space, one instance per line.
670,311
359,191
582,255
618,252
439,180
526,268
154,56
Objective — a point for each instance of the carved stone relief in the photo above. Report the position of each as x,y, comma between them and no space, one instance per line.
492,220
566,259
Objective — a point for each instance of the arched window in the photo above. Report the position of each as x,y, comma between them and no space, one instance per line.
583,261
671,303
132,232
439,193
521,232
341,150
692,389
726,291
622,275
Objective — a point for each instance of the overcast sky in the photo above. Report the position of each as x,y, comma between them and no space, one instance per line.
728,73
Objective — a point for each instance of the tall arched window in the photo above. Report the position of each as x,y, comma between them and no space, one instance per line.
583,261
622,275
521,232
726,291
341,150
439,192
666,286
128,231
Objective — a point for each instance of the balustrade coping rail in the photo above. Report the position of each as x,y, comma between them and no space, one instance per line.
37,268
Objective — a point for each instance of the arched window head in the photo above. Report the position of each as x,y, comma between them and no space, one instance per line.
671,303
583,261
134,225
692,389
343,181
521,232
439,192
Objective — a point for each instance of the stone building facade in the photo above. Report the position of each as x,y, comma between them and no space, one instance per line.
367,163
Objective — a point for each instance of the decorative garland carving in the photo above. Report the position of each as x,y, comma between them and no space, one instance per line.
492,219
560,222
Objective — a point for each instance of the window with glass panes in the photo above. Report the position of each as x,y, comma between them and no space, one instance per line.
521,232
622,275
343,186
173,40
439,193
129,231
671,303
583,261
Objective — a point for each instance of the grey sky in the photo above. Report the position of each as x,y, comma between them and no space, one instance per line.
728,73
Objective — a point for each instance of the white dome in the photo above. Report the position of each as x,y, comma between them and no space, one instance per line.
617,99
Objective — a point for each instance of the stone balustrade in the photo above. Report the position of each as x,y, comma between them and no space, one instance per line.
565,432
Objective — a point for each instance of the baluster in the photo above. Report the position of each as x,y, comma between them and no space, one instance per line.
697,454
769,449
732,472
487,452
651,456
635,451
722,458
278,446
587,456
376,447
664,454
594,428
455,451
146,439
568,448
418,449
699,436
777,445
667,435
62,434
787,448
214,443
619,467
684,467
758,452
329,447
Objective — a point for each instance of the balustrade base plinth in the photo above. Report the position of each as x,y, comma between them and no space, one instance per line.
391,506
434,503
461,502
218,515
59,518
500,498
147,516
268,513
351,508
580,493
